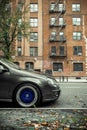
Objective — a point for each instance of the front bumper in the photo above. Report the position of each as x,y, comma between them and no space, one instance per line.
54,97
51,94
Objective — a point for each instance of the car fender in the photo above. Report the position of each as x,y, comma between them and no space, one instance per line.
35,81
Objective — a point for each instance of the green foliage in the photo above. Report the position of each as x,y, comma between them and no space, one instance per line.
10,25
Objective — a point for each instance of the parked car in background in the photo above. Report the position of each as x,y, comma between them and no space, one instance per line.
26,88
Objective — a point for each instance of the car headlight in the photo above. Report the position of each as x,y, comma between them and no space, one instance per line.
51,81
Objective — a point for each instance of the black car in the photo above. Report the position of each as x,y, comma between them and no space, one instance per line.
25,88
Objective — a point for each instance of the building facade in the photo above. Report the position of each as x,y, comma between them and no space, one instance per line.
65,49
57,42
29,52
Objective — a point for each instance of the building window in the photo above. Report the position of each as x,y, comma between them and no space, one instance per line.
76,21
75,7
19,37
53,50
77,50
52,21
19,6
61,21
29,66
19,51
33,51
61,50
58,67
33,37
77,35
53,36
52,6
78,67
61,35
33,7
60,7
8,7
33,22
19,22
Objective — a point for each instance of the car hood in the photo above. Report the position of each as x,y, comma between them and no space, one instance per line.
26,73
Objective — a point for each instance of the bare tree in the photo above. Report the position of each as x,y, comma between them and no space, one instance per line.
12,23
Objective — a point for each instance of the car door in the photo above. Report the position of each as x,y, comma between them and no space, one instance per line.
5,82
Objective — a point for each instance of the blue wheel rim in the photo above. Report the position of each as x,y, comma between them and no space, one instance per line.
27,95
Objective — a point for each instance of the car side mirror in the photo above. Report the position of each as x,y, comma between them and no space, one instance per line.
2,69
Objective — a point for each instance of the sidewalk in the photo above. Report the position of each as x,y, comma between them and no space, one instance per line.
42,119
72,80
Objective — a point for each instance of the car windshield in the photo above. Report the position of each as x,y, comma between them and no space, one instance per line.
11,64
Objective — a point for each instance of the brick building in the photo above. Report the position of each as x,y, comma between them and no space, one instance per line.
64,23
29,54
57,40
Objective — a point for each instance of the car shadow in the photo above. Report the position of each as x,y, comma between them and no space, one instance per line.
4,104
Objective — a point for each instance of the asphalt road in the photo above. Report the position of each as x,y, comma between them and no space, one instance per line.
73,95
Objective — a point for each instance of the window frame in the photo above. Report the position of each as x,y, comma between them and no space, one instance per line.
8,7
53,49
33,22
76,21
77,50
61,50
33,7
61,21
52,6
58,66
77,68
75,7
52,21
29,65
19,22
19,51
19,37
33,36
53,35
77,36
34,51
60,7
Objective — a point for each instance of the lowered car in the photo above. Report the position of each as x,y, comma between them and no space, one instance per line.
25,88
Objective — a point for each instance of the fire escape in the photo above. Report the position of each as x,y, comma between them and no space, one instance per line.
57,26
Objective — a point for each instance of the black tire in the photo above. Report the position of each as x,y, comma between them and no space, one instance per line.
27,95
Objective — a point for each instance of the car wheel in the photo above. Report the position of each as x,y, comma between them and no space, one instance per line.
27,95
